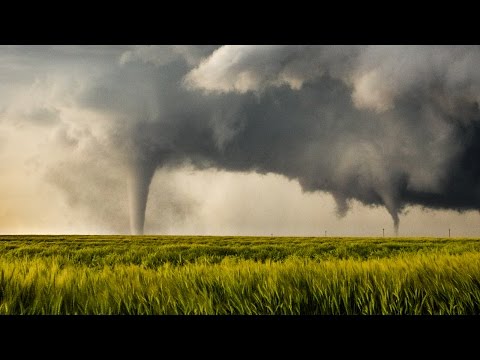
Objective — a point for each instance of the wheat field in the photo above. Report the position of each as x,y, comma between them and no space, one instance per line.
238,275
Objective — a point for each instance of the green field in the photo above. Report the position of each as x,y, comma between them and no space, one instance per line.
238,275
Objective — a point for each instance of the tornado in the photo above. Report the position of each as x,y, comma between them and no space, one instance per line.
386,126
396,224
139,178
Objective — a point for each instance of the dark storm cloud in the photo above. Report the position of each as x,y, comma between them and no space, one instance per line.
388,126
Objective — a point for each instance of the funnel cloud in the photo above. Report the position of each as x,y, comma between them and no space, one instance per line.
139,179
385,126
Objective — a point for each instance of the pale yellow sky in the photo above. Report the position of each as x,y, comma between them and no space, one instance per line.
210,203
251,204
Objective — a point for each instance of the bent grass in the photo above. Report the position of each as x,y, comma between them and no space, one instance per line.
208,275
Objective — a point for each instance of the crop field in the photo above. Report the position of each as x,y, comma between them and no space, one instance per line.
238,275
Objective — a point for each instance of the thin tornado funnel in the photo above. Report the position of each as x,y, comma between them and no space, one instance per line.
139,179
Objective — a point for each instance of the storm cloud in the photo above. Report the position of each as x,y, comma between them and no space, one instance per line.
388,126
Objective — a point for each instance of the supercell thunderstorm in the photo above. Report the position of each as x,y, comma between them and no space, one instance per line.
389,126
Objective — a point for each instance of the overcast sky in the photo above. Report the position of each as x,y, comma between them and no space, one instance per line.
240,140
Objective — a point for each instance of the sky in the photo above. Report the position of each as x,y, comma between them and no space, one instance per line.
277,140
